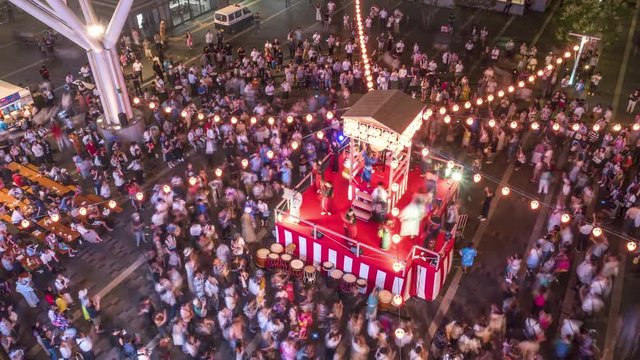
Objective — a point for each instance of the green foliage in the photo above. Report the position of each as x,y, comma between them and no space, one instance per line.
601,18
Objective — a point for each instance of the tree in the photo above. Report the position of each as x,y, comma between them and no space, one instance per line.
601,18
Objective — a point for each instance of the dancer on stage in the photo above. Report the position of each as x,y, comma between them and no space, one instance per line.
367,170
380,198
411,216
350,227
317,175
384,233
326,194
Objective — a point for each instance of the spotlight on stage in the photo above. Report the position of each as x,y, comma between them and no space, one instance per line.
341,138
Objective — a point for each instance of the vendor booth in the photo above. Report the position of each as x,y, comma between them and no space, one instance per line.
384,221
14,100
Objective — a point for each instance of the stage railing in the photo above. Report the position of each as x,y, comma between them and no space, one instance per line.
283,216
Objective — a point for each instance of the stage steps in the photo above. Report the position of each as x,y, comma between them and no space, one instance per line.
363,205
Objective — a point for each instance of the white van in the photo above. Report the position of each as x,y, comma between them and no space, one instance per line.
232,16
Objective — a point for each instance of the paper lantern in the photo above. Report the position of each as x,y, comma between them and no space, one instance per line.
396,238
112,204
534,204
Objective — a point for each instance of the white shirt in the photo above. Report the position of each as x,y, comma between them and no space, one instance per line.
137,66
85,343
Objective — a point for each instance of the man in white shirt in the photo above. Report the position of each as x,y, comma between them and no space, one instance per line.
86,346
137,69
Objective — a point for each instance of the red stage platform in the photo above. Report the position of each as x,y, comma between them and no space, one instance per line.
425,270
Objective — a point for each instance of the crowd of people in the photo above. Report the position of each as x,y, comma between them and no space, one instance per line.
240,126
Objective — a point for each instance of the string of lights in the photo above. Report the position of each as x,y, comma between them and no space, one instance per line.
534,202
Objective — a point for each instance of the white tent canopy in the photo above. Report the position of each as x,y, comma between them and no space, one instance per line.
7,89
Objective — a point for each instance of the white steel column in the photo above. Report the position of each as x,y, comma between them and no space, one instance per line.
100,46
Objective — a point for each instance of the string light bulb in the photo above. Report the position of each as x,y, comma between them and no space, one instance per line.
490,97
270,154
395,187
394,163
193,181
492,123
467,105
479,101
216,118
477,178
596,127
425,152
399,333
513,124
329,115
533,78
447,119
234,120
395,212
617,127
320,135
200,116
534,204
520,84
396,238
25,223
636,127
470,121
136,100
244,163
565,218
575,127
596,231
83,211
166,189
443,110
450,164
55,217
556,127
397,300
294,145
167,109
511,89
500,93
506,191
535,125
218,172
152,105
631,246
289,119
271,120
309,117
139,196
455,107
184,113
539,73
397,266
253,120
112,204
